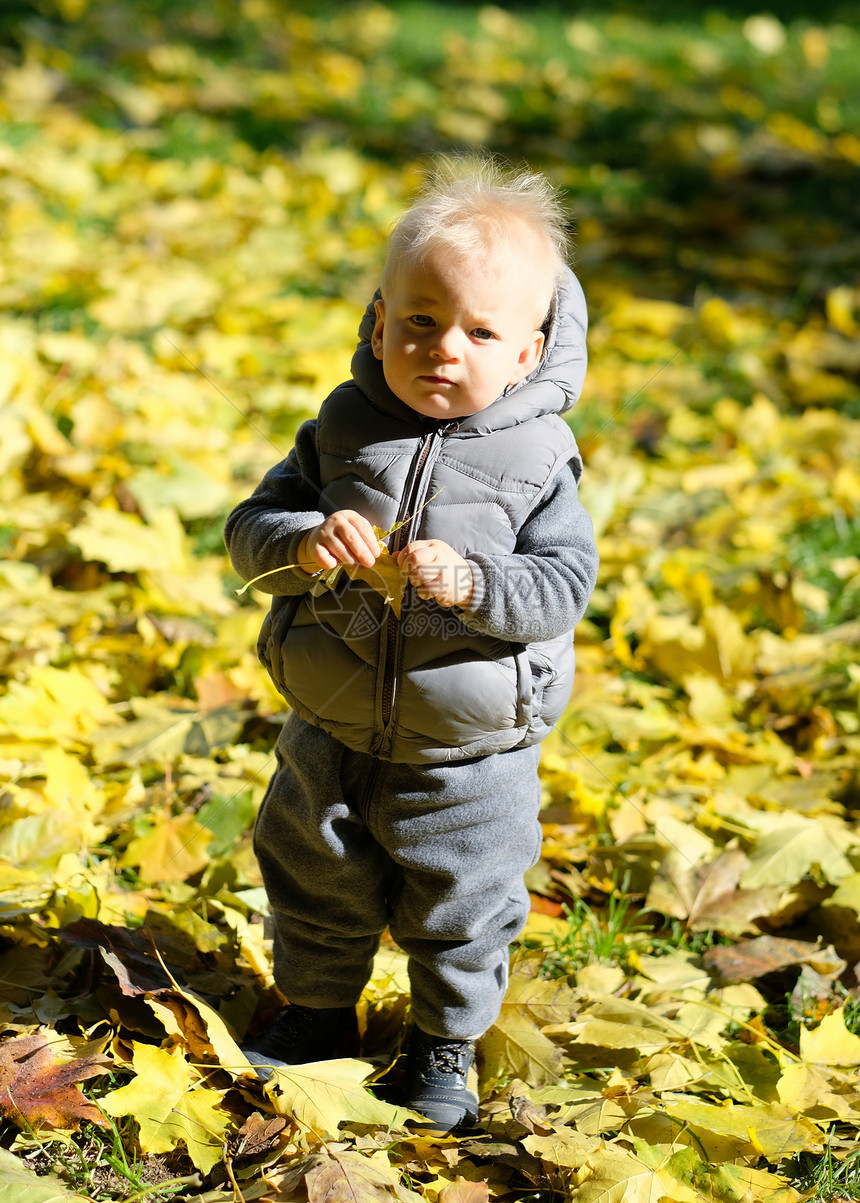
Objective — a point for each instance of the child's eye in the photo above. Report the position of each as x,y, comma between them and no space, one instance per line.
422,319
482,333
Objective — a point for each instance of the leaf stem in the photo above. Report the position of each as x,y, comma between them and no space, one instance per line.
382,538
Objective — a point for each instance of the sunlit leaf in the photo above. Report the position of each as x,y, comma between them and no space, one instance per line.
172,850
36,1092
772,1130
516,1044
22,1185
323,1095
170,1108
338,1176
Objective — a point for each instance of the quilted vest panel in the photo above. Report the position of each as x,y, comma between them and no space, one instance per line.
457,693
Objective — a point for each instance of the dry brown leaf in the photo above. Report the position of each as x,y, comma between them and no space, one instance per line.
37,1092
707,895
340,1177
530,1117
258,1136
721,904
753,958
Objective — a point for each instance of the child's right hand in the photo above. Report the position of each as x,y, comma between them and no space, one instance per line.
344,538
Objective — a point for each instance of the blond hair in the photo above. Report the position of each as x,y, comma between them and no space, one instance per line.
473,203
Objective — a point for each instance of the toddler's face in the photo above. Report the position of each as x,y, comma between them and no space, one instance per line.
453,333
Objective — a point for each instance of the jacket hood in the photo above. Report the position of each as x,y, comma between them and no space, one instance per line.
553,387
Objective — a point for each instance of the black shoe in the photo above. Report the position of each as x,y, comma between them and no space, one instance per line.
437,1070
301,1034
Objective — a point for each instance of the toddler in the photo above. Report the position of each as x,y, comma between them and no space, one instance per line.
406,794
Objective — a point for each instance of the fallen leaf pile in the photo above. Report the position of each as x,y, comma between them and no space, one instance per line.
195,200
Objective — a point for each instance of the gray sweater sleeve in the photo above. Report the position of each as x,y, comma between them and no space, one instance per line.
264,531
542,589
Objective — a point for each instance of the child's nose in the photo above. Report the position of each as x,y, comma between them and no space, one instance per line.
448,344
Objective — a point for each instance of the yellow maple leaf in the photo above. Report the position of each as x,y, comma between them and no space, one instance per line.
324,1094
831,1043
173,850
169,1108
813,1090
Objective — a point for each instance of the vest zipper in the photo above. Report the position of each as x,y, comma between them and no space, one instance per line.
414,495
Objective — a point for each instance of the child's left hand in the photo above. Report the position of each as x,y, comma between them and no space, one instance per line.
437,571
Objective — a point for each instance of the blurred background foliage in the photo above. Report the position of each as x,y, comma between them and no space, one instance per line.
703,148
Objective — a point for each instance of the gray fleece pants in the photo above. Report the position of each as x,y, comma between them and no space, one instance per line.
349,845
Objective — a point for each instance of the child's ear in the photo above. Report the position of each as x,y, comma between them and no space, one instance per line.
529,357
376,336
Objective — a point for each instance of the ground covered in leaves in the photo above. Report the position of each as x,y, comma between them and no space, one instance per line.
195,198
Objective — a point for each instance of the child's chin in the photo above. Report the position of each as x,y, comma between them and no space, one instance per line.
430,408
444,407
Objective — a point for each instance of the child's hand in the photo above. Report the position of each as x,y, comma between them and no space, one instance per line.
344,538
437,571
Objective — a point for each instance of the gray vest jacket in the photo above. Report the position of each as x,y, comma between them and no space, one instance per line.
429,688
